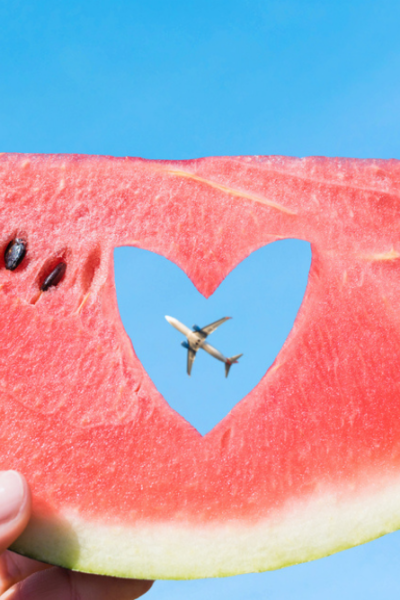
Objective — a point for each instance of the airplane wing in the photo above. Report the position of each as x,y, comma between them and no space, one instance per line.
213,326
191,355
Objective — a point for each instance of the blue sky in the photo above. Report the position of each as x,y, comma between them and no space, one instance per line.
184,79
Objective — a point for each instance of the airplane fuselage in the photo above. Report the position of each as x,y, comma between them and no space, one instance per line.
196,339
195,342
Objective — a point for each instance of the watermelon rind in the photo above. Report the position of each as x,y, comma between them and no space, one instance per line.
325,524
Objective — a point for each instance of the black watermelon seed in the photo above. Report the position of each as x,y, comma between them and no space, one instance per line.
54,277
14,254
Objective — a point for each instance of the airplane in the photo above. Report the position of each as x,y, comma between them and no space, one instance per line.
196,339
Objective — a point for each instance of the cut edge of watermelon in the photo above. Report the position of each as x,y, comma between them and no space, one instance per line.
325,524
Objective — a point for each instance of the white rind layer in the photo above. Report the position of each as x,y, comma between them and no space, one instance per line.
312,529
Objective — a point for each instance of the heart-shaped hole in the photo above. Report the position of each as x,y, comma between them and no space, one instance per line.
262,294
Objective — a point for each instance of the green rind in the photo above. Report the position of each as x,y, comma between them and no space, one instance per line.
305,530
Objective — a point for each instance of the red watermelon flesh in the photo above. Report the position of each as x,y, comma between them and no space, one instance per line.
305,465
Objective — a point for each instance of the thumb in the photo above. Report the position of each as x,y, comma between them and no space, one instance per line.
15,506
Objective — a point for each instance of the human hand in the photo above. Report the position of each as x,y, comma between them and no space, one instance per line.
25,579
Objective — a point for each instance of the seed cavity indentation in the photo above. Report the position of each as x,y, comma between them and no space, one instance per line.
54,277
14,254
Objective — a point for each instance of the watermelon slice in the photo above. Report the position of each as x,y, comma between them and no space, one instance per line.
307,464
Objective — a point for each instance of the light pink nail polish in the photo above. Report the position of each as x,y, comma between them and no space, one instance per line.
11,495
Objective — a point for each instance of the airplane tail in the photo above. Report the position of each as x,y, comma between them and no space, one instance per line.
231,361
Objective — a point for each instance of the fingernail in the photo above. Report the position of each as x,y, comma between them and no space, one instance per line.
12,491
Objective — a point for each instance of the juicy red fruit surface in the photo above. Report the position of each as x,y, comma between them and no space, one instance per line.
89,428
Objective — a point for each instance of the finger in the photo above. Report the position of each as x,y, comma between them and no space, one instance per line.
14,567
15,506
67,585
